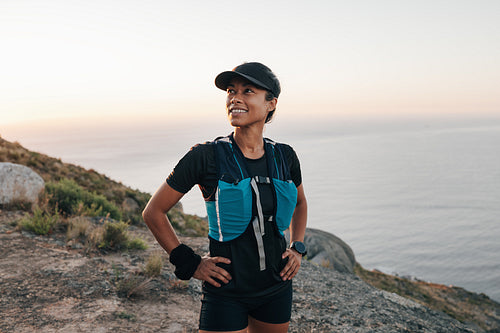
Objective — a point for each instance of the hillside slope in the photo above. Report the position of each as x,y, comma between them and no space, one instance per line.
48,286
53,169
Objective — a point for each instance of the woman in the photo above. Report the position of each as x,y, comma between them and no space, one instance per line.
253,191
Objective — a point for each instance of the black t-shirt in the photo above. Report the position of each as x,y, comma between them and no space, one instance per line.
198,167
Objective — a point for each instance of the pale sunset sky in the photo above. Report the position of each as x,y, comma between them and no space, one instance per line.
137,60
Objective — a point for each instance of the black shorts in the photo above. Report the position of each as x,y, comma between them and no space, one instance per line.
221,313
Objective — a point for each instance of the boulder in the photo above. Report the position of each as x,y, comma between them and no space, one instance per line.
19,183
328,250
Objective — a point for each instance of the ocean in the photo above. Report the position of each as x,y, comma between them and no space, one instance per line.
415,197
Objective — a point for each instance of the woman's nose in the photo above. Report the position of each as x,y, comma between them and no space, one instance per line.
235,99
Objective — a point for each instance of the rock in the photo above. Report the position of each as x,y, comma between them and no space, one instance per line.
130,205
328,250
19,183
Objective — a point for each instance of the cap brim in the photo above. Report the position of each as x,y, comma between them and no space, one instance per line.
223,79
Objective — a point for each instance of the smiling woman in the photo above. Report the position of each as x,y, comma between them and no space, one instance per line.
253,192
246,103
257,79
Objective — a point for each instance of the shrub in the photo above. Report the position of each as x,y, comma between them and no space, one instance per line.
41,223
77,228
154,264
137,244
130,285
95,238
69,198
125,315
116,237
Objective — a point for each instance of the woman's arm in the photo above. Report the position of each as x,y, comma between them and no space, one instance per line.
299,218
297,232
155,216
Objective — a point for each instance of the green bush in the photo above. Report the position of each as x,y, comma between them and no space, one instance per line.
137,244
41,223
69,198
116,237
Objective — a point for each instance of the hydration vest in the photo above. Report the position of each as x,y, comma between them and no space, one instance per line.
230,209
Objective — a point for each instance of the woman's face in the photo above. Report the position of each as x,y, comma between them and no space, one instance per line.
246,104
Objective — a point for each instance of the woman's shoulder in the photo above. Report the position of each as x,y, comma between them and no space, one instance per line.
203,148
198,153
285,147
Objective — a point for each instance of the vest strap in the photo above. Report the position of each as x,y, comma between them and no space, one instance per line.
260,214
258,225
260,244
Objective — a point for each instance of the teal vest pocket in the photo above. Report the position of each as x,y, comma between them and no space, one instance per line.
286,200
232,206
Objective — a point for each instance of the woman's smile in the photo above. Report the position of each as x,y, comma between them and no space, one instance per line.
246,104
236,110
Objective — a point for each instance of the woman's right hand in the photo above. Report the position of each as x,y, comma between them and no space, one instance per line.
208,270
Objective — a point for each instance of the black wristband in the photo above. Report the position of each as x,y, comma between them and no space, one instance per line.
185,260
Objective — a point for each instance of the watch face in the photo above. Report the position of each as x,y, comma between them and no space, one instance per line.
299,247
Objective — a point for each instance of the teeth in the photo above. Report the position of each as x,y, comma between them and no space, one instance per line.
238,111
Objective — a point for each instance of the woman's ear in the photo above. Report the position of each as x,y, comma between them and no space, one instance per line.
271,105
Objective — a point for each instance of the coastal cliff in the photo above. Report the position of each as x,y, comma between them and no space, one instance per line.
59,283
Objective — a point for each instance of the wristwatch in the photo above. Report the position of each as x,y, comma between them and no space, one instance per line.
299,247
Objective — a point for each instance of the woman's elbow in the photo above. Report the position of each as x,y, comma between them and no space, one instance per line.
147,214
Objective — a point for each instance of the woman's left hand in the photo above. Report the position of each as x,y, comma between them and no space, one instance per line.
292,266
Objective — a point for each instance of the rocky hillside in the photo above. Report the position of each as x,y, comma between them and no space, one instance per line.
129,201
50,286
59,283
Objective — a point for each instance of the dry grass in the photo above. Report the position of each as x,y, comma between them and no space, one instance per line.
326,263
154,264
175,284
132,286
78,228
94,238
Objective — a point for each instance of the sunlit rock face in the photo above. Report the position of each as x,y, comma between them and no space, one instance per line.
19,183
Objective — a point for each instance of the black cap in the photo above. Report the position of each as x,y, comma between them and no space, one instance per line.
255,72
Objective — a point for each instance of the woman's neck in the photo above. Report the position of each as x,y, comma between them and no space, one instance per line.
250,141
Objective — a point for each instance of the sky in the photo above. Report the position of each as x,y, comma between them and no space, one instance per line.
128,61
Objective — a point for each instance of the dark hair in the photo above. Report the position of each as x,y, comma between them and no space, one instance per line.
270,115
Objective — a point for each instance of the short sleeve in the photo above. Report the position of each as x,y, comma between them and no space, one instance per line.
293,164
191,169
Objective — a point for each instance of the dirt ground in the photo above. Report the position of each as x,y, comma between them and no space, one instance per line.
46,286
